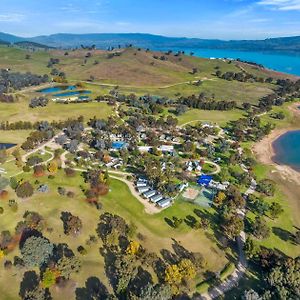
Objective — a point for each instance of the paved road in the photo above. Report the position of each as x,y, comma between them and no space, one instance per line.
240,270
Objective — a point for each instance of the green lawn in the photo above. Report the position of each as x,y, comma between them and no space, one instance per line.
53,112
157,233
219,117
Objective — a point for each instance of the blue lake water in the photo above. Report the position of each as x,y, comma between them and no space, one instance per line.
72,93
282,62
287,149
55,89
6,146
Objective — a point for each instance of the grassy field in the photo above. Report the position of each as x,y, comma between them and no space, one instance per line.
157,233
138,72
219,117
20,111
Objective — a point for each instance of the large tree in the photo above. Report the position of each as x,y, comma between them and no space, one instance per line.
36,251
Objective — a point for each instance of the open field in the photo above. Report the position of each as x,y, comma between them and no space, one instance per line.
20,111
138,72
219,117
157,233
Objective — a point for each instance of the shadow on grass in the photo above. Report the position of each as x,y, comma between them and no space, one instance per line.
283,234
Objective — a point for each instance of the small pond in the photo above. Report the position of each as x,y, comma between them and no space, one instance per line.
60,88
6,146
72,93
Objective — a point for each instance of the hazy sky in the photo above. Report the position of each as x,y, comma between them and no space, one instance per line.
226,19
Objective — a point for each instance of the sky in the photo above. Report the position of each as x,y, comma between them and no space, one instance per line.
222,19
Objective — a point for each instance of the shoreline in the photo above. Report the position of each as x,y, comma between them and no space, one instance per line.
264,150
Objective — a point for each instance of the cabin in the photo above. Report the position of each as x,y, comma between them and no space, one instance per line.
141,184
164,202
156,198
143,189
149,194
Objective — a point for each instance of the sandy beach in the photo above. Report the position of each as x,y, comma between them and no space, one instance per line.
285,177
264,150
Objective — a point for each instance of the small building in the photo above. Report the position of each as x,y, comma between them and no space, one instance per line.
149,194
182,186
144,149
164,202
156,198
166,149
141,184
143,189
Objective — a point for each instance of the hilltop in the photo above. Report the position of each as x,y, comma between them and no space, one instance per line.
105,40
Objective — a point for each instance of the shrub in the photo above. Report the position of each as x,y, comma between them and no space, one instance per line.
39,171
13,183
70,172
13,205
82,250
26,169
61,190
3,194
24,190
1,210
70,194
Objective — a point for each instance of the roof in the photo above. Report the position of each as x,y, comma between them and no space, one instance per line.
164,202
204,179
149,193
156,198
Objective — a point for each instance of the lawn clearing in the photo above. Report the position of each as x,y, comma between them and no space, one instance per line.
157,233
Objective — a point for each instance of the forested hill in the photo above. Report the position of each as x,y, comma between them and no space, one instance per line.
105,40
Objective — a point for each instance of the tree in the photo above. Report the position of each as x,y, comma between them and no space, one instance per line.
133,248
250,248
233,226
49,278
260,228
39,170
158,292
173,275
275,210
187,269
4,182
72,224
52,167
3,156
36,251
17,155
220,198
250,295
24,190
68,265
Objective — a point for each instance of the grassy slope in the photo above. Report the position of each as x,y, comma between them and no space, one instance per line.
157,233
20,111
133,68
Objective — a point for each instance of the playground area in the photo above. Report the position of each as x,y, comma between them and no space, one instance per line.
199,195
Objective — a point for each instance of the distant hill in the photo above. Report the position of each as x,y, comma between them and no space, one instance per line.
105,40
9,38
28,44
4,43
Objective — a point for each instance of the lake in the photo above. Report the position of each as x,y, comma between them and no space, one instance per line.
282,62
287,149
